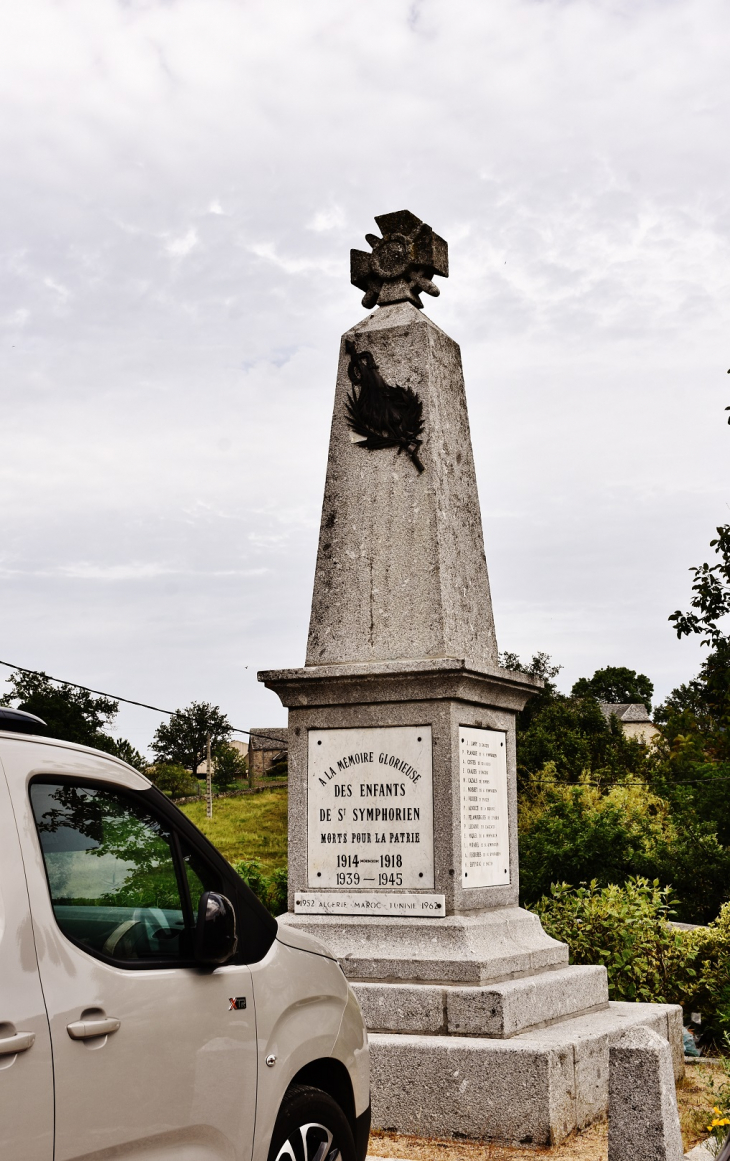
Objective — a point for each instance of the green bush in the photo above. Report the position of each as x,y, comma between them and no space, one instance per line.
627,930
579,833
270,889
278,890
175,781
230,767
709,955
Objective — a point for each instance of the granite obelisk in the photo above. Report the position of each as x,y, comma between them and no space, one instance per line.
402,765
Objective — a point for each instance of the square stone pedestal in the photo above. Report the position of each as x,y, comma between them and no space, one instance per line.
478,1025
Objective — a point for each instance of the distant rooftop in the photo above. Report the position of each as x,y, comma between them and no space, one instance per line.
630,712
268,738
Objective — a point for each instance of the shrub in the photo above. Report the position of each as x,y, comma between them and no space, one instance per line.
173,780
278,891
709,955
579,833
230,766
270,889
627,930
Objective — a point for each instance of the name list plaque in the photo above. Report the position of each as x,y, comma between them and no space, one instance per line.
370,822
484,813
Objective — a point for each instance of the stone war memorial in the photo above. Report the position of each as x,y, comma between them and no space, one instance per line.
402,775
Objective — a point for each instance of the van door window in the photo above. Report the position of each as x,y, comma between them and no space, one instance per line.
200,876
111,873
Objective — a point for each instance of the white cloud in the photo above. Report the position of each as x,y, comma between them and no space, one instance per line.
329,219
181,247
16,318
570,153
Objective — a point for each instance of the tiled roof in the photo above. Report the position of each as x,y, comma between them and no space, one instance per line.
625,712
269,738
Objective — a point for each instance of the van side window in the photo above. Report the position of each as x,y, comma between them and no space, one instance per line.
200,877
111,872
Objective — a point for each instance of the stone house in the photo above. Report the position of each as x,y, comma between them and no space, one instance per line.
634,719
265,747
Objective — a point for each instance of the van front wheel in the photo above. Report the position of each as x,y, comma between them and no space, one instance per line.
311,1126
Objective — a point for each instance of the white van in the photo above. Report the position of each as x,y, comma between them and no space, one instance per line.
150,1007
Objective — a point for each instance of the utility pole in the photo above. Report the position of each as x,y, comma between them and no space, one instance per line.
208,780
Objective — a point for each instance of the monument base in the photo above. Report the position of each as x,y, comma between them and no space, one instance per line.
478,1025
470,948
533,1089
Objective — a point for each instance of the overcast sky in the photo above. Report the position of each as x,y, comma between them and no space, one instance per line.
181,183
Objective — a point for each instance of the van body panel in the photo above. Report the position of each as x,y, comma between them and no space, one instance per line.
26,1077
181,1074
300,999
178,1046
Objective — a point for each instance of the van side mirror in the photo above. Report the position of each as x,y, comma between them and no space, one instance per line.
215,930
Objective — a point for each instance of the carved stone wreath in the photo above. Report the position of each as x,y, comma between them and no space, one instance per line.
381,415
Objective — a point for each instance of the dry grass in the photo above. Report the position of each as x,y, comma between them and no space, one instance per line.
695,1096
590,1145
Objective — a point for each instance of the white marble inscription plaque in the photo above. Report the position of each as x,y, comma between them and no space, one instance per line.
368,903
370,809
484,818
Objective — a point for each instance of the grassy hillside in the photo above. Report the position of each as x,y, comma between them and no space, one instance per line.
251,827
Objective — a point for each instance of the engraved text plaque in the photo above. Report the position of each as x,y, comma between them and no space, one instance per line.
484,818
370,809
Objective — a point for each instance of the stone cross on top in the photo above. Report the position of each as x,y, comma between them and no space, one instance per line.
402,262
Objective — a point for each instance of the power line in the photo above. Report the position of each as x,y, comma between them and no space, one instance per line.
646,785
128,700
271,738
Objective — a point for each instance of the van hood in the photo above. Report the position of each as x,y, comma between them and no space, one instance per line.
292,937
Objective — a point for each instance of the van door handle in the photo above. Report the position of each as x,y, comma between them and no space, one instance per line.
21,1042
85,1029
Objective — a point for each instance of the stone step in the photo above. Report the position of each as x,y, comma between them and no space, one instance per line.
497,1010
474,948
533,1089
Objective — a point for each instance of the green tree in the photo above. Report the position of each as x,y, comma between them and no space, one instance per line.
123,749
711,600
584,832
540,666
182,741
616,684
230,765
173,780
71,714
569,732
573,735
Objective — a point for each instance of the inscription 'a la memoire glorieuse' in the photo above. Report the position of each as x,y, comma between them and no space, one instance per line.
370,809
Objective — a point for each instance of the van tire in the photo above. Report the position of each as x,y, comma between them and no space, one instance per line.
305,1105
